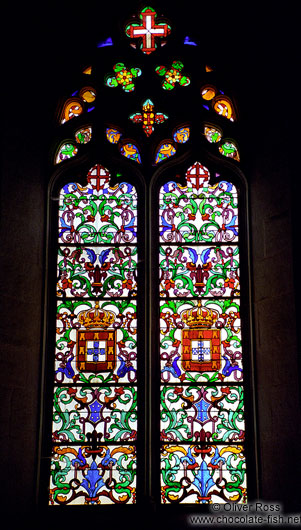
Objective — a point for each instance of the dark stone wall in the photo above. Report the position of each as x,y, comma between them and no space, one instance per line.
43,49
275,332
22,272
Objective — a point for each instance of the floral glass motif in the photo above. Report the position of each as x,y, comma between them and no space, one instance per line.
84,135
66,151
230,150
75,105
130,150
148,117
124,77
212,134
126,148
83,474
186,410
168,148
226,147
99,272
95,380
201,355
147,30
165,150
181,135
104,407
221,104
113,135
172,75
202,475
72,108
199,270
224,107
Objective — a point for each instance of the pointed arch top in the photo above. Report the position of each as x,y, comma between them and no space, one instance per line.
165,118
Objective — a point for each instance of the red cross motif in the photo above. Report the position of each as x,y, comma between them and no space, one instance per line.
148,30
212,358
197,175
97,177
106,360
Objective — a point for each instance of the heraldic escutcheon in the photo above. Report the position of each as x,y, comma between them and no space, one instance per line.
201,342
96,342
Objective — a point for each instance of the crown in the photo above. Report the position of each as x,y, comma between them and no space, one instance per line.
148,105
96,318
199,317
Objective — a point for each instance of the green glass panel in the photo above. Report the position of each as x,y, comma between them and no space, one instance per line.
95,358
196,412
199,211
201,358
79,410
199,270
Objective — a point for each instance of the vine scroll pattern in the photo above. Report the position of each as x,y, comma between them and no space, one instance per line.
202,395
95,371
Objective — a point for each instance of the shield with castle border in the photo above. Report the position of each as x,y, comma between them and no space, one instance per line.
96,342
201,343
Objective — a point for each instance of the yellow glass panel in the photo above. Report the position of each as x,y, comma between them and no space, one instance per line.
208,92
88,94
72,109
224,107
113,135
165,150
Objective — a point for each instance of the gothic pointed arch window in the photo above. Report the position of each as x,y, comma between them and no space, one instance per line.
148,366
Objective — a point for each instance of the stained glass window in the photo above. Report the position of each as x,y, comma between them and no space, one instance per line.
213,134
130,150
208,92
78,103
123,76
148,30
173,75
220,103
148,117
84,135
88,70
95,394
113,135
202,405
147,135
88,94
66,151
181,135
223,106
165,150
72,108
228,148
